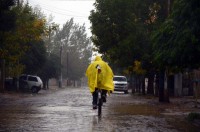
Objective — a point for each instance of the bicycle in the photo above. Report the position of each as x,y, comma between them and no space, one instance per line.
99,101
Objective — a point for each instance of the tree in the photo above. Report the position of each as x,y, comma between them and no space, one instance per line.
121,31
80,50
7,17
23,48
113,22
27,34
176,42
7,23
35,57
72,43
49,70
47,63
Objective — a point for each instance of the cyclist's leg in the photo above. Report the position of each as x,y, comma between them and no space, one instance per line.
94,101
104,95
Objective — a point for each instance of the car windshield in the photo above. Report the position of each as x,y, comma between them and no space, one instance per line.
119,79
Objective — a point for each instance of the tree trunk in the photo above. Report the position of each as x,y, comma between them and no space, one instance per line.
131,83
44,84
47,83
157,85
166,89
150,89
134,85
161,87
2,75
140,84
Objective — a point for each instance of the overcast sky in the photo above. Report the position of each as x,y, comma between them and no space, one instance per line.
64,10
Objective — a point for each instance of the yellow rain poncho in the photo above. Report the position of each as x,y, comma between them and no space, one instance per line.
104,79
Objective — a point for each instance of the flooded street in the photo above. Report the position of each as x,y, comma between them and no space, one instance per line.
70,109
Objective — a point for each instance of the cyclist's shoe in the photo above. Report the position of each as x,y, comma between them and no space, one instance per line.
94,107
104,98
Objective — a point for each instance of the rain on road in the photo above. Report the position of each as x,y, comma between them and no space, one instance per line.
69,109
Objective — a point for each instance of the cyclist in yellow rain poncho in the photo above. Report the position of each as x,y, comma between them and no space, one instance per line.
99,75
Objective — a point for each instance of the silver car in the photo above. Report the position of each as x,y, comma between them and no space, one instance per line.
120,84
30,83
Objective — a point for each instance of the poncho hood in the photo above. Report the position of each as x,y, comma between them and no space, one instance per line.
98,58
104,79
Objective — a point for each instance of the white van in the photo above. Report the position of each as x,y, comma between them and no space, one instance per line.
30,82
120,84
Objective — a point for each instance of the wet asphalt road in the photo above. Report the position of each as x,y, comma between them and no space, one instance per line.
70,110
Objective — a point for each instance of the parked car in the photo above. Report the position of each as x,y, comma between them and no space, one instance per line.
30,83
120,84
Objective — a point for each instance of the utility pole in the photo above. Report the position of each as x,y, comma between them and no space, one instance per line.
168,7
67,67
17,2
60,80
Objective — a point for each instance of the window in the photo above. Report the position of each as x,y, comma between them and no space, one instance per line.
119,79
34,79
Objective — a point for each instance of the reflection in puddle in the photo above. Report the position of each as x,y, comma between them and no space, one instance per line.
96,120
141,109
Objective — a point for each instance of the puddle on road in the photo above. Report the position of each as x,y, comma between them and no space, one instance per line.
181,124
165,119
140,109
75,109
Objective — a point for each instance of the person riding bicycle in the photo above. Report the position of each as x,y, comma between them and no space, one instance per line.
99,75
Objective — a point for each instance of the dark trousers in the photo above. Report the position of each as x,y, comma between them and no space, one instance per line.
95,95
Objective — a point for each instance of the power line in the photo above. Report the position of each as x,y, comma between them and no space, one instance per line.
55,8
64,13
73,0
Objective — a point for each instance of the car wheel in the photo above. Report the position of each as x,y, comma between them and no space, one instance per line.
34,90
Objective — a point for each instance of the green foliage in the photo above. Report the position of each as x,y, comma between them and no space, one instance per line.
34,58
16,44
138,68
7,24
121,29
7,17
51,68
176,42
76,49
111,23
